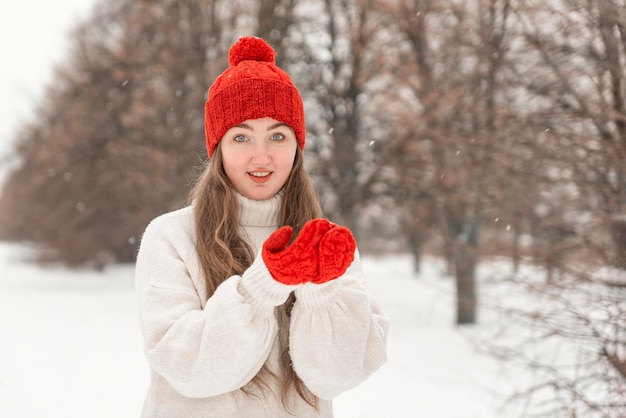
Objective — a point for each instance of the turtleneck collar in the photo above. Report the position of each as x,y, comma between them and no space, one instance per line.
259,212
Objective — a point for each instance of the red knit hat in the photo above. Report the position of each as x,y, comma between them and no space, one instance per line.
252,87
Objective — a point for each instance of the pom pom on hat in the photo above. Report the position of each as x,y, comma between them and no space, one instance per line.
252,87
251,49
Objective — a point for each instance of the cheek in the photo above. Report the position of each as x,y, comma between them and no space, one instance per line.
287,159
287,164
231,166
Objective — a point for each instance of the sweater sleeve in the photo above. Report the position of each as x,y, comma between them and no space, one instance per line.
202,351
338,334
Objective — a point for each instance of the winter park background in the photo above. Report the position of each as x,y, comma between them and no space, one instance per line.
520,135
71,346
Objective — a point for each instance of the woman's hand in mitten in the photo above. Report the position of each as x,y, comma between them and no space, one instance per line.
299,262
336,253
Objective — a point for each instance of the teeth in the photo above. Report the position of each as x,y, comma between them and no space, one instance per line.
264,174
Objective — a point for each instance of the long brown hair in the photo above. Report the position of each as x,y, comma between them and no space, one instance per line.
223,252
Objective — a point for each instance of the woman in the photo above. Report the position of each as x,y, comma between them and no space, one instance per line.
251,304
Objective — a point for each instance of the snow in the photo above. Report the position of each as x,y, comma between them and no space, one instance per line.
71,345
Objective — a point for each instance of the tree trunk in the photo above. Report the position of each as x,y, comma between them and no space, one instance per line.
465,267
465,261
618,234
415,243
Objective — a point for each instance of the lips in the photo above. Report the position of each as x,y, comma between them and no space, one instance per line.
260,176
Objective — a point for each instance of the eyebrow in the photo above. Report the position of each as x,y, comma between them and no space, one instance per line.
248,127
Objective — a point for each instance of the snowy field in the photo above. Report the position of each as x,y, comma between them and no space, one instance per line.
71,346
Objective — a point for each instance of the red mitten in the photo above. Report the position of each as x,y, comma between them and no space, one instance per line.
297,263
336,253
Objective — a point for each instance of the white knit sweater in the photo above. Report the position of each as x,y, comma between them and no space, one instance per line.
202,352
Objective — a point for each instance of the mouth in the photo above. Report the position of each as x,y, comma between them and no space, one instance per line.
260,176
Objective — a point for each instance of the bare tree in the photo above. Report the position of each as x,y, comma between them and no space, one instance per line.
450,149
579,74
566,334
342,60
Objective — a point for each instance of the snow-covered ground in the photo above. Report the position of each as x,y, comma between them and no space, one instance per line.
70,346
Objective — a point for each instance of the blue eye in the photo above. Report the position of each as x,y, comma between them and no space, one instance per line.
278,137
240,138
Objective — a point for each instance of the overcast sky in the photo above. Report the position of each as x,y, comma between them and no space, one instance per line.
34,37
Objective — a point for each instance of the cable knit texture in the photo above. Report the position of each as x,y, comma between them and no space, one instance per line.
202,352
298,263
322,251
336,253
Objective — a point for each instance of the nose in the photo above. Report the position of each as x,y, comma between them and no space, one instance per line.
261,154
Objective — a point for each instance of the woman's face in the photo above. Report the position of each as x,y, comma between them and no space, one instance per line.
258,155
